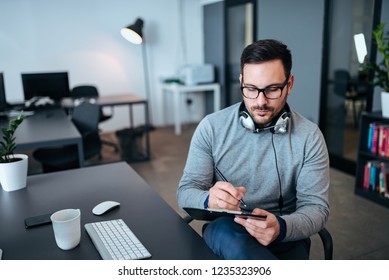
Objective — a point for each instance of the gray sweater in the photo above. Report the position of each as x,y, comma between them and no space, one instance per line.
248,159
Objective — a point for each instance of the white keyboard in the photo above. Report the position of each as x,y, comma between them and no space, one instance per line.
115,241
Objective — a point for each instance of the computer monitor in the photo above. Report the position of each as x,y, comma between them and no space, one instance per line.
3,100
53,85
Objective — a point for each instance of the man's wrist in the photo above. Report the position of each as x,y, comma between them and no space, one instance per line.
282,234
206,202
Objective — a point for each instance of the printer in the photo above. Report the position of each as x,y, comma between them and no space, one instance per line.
196,74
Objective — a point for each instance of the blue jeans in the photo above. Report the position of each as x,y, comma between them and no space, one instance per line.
231,241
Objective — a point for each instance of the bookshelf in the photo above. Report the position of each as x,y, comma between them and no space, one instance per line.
368,181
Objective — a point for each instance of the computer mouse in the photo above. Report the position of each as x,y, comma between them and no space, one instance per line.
104,206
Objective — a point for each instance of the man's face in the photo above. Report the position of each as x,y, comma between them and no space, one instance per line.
262,75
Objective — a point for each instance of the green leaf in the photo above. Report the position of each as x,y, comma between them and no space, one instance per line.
381,71
8,144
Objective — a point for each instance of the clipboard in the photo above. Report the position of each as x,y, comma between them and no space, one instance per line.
211,214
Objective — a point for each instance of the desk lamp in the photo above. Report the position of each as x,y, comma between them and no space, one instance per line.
133,33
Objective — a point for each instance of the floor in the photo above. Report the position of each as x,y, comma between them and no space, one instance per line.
359,228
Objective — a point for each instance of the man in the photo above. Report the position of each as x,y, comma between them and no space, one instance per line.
273,158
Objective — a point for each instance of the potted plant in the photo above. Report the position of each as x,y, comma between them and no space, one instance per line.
13,167
381,70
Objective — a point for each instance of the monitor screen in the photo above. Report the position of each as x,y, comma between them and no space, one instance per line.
52,85
3,100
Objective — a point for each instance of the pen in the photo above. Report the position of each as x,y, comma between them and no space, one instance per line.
225,180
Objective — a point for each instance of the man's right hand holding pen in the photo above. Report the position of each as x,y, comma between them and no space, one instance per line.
225,195
226,192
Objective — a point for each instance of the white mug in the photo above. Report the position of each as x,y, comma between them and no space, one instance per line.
67,228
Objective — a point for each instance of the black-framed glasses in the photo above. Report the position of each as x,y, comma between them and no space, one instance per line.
270,92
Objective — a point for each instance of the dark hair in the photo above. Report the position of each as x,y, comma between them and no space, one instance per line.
267,50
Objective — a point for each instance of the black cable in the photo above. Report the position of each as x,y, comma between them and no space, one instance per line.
280,199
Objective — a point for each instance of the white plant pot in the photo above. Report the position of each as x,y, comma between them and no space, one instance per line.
13,175
385,104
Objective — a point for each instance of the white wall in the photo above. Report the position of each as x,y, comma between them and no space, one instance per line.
83,38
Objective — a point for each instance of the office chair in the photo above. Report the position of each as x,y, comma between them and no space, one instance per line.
90,91
86,118
353,91
324,235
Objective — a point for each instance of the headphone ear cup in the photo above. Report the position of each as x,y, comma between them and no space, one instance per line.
246,121
281,125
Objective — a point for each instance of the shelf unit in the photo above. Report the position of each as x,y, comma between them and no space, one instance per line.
365,155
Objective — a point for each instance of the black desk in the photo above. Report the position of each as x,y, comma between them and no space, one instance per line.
156,224
47,128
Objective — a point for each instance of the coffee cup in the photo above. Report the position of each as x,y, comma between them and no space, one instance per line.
67,228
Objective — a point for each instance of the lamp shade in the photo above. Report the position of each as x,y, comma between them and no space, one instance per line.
133,32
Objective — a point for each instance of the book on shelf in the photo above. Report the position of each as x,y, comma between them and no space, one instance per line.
366,175
383,149
382,173
378,138
376,177
384,182
370,136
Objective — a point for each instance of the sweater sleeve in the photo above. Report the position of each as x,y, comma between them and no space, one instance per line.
197,178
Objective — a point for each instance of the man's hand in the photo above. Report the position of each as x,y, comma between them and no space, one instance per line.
265,231
224,195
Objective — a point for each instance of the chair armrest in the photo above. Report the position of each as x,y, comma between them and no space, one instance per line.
326,238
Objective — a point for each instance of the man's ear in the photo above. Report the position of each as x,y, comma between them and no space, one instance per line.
290,83
240,78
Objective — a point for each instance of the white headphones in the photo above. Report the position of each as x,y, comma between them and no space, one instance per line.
278,126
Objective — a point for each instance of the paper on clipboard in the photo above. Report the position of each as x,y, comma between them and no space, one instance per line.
211,214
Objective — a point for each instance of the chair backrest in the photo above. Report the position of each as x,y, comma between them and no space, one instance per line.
84,91
342,82
89,91
86,118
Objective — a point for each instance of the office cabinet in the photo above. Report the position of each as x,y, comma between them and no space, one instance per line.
372,174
